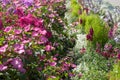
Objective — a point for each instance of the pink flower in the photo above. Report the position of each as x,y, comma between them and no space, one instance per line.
25,41
48,48
18,31
19,48
43,39
36,28
35,34
27,28
54,58
8,29
53,64
43,31
2,67
73,66
3,48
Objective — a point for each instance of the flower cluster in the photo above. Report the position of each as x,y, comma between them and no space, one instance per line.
28,43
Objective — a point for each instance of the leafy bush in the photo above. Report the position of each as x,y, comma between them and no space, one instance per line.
34,43
115,73
100,29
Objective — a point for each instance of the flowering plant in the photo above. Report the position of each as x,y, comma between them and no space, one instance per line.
33,41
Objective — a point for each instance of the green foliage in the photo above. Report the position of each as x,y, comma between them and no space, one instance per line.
73,9
99,27
115,73
92,66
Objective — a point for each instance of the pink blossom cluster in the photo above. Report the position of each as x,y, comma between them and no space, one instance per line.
27,42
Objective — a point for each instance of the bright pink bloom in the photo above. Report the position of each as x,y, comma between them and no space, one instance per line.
2,67
43,39
3,48
53,64
8,29
19,48
25,41
27,28
49,48
43,31
35,34
18,31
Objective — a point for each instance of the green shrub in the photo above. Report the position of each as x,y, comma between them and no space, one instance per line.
100,28
115,73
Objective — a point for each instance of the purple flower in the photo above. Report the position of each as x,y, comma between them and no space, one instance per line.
2,67
28,2
17,64
5,2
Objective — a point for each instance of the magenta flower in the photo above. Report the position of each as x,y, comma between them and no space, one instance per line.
18,31
2,67
35,34
43,39
3,48
24,41
19,48
8,29
53,64
27,28
43,32
48,48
